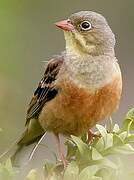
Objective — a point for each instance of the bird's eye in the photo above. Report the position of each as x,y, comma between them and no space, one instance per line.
85,25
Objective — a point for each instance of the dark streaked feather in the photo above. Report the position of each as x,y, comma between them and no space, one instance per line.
46,89
45,92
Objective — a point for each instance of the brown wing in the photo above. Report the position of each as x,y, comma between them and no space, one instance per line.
46,89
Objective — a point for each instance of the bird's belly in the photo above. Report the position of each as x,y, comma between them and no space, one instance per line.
74,110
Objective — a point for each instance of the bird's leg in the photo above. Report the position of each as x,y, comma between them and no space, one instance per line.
91,136
60,151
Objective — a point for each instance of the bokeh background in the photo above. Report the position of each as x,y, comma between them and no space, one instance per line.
28,37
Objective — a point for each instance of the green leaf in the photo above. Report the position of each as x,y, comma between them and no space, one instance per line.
99,144
128,123
132,126
8,165
123,135
6,171
102,130
130,139
130,114
84,137
116,128
125,149
71,171
117,141
71,149
108,163
32,175
107,174
107,137
88,172
109,141
96,155
82,148
81,145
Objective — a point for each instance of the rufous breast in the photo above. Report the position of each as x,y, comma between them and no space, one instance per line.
76,109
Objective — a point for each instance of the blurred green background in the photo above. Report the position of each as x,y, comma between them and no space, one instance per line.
28,37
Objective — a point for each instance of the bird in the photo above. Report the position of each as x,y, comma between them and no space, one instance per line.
80,87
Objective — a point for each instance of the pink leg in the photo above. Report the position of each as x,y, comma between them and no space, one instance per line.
60,150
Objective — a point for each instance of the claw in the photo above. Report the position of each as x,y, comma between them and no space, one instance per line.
91,136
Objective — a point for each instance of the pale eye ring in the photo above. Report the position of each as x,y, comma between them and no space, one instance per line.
85,25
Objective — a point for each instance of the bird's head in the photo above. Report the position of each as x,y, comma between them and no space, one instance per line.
87,32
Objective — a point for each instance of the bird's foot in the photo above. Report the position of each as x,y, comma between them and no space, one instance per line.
91,136
64,160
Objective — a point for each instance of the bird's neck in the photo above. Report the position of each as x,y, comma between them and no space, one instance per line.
77,46
93,72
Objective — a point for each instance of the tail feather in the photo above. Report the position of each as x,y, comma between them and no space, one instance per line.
13,149
32,134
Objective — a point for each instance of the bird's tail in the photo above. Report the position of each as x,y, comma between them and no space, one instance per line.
13,149
32,134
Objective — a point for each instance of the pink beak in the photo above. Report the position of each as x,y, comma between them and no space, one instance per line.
65,25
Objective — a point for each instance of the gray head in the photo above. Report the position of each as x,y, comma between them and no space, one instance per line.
88,32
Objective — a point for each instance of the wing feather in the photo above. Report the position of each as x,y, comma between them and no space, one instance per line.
46,89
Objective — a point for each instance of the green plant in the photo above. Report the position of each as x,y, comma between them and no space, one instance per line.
101,159
6,171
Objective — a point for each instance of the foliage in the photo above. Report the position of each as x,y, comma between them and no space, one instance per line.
101,159
6,171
